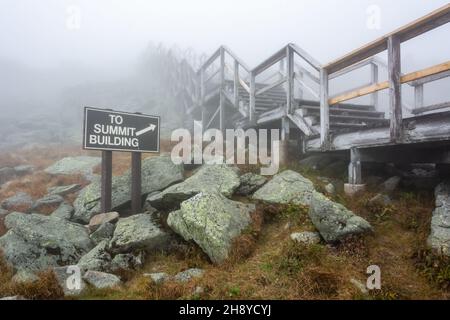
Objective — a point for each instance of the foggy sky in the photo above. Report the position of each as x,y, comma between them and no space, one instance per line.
109,34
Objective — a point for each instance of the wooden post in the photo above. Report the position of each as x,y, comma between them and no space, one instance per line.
395,93
106,182
236,84
290,80
202,97
324,111
222,88
418,96
136,182
354,169
252,101
374,80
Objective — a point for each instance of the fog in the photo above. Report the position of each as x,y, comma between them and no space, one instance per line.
57,56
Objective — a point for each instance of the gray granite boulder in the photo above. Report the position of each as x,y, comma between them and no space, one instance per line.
212,221
7,174
189,274
138,232
99,219
104,232
74,165
285,188
158,173
49,201
36,242
221,178
97,259
65,211
70,280
250,182
439,238
333,220
127,261
101,280
20,200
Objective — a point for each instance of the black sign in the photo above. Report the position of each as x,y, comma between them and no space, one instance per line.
120,131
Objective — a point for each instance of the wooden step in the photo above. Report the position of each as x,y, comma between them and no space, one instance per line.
366,113
337,106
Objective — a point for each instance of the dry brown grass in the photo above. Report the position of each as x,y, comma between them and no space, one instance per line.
45,288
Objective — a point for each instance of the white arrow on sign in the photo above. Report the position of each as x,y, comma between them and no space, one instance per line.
151,127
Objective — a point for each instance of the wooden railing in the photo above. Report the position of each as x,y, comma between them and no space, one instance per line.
392,43
286,76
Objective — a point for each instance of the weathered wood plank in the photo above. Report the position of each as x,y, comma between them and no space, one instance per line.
433,107
289,80
429,22
431,78
222,88
437,69
324,111
252,102
271,86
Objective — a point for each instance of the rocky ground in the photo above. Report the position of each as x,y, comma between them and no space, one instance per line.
219,232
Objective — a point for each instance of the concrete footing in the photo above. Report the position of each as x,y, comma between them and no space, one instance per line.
353,189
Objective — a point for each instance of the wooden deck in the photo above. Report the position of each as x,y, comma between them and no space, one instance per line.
290,91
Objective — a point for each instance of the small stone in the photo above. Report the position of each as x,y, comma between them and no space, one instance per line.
198,291
20,200
158,278
307,238
24,170
99,219
64,190
104,232
250,182
330,188
47,201
65,211
101,280
391,184
98,259
359,285
23,276
13,298
127,262
381,199
187,275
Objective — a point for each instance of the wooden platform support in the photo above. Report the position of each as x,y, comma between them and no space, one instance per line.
354,184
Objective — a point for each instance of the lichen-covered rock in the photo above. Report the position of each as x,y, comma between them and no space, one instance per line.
23,169
285,188
306,237
36,242
157,174
212,221
98,259
74,165
127,261
250,182
439,238
138,232
65,211
209,178
104,232
64,190
101,280
20,201
158,278
6,174
333,220
47,202
189,274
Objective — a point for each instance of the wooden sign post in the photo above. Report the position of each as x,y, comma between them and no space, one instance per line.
110,131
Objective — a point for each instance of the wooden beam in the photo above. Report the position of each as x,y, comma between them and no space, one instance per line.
431,78
289,79
395,93
418,97
413,76
437,69
236,83
374,78
359,93
252,99
429,22
271,86
222,88
433,107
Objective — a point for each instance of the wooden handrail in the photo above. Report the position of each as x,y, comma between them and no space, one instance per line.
429,22
410,77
